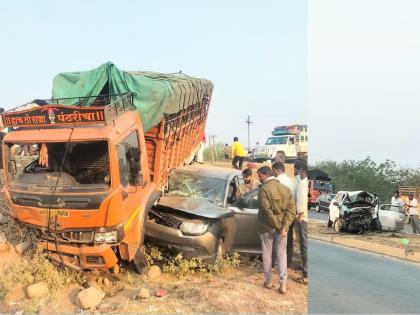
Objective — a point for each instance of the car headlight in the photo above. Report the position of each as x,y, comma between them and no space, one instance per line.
108,235
193,227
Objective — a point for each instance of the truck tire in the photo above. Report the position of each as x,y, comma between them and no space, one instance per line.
140,260
330,223
317,208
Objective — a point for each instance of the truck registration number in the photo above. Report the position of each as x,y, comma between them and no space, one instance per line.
54,212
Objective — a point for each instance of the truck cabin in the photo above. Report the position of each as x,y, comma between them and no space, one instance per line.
282,140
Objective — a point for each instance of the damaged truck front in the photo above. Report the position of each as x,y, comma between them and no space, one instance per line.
84,171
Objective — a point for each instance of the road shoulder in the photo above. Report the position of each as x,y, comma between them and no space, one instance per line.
388,244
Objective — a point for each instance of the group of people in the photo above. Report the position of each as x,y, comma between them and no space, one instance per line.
410,208
283,207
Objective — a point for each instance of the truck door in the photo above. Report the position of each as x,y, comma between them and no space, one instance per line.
133,186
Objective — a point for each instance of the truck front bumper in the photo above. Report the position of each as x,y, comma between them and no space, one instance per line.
84,257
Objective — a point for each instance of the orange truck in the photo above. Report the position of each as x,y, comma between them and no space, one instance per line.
84,171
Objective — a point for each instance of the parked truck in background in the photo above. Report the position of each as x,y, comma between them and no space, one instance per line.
287,143
99,155
319,183
405,191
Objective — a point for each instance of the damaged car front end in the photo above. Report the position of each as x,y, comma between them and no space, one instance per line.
358,213
191,219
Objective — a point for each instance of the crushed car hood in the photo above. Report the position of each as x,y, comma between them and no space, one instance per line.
196,206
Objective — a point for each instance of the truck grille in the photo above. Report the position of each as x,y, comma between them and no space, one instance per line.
78,237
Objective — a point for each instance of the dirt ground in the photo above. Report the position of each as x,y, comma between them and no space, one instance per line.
232,291
390,239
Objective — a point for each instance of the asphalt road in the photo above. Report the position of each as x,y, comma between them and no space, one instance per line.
344,280
323,216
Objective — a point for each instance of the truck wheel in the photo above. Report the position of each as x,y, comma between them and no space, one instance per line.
338,225
140,260
317,209
220,250
330,223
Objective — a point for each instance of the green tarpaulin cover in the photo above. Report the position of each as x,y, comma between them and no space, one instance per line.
156,94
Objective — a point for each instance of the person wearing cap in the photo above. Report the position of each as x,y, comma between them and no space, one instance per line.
413,212
238,154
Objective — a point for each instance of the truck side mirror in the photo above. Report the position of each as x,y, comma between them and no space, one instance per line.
11,167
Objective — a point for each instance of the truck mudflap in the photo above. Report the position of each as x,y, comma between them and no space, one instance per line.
84,257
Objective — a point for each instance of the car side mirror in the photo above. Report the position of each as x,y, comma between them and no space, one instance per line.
11,167
335,203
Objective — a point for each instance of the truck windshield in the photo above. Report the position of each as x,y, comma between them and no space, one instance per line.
37,166
191,185
276,140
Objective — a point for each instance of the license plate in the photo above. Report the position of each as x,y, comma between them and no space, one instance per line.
54,212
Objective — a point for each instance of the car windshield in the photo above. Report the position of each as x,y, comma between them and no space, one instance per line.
193,185
76,166
277,140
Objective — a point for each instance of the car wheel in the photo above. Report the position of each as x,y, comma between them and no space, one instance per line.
338,225
220,250
376,225
317,209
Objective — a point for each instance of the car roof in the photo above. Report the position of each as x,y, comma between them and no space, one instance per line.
206,170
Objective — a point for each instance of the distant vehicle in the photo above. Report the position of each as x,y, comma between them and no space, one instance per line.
319,183
286,143
405,191
359,211
323,202
200,215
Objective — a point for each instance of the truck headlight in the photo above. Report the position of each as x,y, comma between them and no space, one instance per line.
193,227
109,235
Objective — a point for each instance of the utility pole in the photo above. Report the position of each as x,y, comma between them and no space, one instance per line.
249,122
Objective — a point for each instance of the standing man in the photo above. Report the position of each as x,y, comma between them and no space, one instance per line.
282,177
276,211
249,183
238,154
413,212
226,151
301,170
396,202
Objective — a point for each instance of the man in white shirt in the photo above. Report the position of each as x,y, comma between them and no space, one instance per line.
413,212
280,172
301,221
396,202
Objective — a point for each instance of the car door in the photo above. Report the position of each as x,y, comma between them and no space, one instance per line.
334,212
391,220
246,238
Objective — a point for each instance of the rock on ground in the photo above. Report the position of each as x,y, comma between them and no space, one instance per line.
89,298
154,272
37,290
143,294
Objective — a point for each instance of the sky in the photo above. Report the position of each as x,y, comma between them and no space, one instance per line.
364,80
254,52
